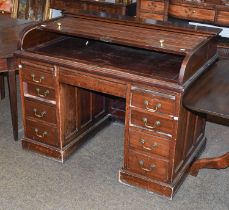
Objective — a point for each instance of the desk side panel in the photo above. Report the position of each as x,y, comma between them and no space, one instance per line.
198,59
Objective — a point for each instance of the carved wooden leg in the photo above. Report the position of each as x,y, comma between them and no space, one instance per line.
13,98
216,162
2,86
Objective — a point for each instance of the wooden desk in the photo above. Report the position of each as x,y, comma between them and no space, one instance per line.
210,95
9,36
71,66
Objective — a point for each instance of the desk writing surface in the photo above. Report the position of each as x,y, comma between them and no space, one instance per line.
210,93
131,60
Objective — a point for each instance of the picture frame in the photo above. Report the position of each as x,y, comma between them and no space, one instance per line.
35,10
6,6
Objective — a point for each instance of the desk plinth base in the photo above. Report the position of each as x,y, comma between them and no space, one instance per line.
48,151
150,185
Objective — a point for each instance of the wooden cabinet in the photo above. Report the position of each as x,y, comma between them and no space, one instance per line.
70,72
43,123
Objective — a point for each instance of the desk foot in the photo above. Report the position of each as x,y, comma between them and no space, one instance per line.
216,163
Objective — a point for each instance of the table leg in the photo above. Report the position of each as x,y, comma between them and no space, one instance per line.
13,97
2,86
216,162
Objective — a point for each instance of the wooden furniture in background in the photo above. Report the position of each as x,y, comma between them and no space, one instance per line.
208,11
210,95
71,66
223,47
157,9
9,37
117,7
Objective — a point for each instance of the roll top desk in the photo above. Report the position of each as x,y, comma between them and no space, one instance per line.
70,68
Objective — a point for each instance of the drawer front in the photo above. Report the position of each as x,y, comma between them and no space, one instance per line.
153,102
40,111
191,13
152,122
104,8
40,91
153,6
145,15
42,133
38,77
147,166
223,17
149,143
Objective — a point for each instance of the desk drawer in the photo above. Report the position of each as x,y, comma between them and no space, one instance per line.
40,111
147,15
152,122
154,102
147,166
192,13
223,17
92,82
149,143
152,6
38,77
40,91
41,132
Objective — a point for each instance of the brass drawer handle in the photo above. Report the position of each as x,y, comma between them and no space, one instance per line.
45,133
151,168
40,94
42,114
156,124
154,145
157,106
37,81
59,25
